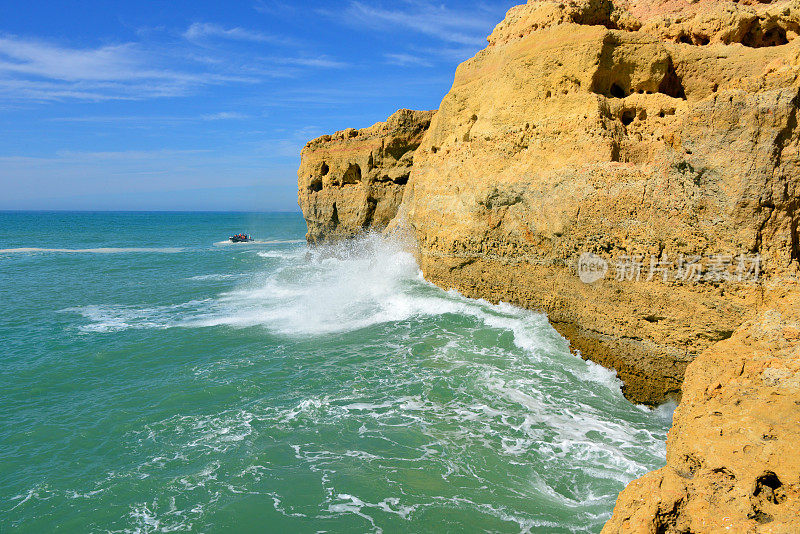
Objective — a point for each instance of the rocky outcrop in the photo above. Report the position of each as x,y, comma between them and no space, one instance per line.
353,180
733,454
597,127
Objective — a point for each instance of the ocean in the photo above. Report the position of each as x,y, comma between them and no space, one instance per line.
156,378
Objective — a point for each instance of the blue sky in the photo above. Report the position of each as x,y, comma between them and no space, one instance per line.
201,105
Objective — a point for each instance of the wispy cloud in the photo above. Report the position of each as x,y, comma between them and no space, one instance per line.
404,60
39,70
449,54
224,115
127,155
434,20
204,30
150,119
316,62
119,62
274,7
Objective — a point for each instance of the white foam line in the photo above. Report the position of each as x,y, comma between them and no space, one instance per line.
265,242
216,277
165,250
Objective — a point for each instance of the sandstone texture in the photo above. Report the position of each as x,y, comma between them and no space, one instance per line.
733,454
650,135
353,181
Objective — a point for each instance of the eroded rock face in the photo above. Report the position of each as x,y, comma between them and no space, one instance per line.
655,128
353,180
733,454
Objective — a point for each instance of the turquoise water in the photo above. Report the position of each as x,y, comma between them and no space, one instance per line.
157,379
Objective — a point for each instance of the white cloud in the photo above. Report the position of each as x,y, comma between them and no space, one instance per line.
38,70
405,60
50,61
433,20
224,115
204,30
149,120
274,7
317,62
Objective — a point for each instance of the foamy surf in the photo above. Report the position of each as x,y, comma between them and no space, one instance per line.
109,250
327,388
216,277
338,289
261,242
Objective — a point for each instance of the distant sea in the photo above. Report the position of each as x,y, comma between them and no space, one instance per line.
156,378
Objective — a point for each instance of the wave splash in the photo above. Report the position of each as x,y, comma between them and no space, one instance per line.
329,289
335,289
432,397
309,292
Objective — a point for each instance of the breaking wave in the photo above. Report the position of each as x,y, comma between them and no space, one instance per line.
331,289
393,403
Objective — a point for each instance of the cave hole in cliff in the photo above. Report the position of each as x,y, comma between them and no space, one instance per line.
768,487
757,37
666,521
617,91
401,180
315,185
696,39
627,116
335,216
672,84
324,169
760,517
352,175
397,148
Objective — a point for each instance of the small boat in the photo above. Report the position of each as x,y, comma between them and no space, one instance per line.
240,238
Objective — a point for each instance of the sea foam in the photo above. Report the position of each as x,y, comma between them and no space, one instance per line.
106,250
355,395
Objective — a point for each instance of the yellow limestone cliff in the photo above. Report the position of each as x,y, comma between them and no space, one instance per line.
353,180
733,453
582,128
644,133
